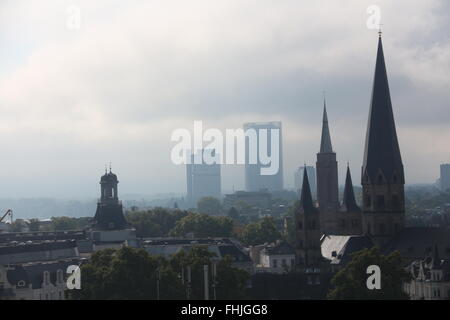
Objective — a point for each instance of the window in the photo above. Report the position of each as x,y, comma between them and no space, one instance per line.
382,228
21,284
283,262
380,202
300,225
395,201
59,276
380,179
275,263
343,223
368,201
46,277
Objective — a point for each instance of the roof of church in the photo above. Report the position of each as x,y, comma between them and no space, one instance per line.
418,242
349,202
306,202
109,177
382,152
338,249
325,143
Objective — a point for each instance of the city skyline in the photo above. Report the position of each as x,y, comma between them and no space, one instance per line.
59,118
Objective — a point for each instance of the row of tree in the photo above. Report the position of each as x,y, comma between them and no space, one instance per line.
130,273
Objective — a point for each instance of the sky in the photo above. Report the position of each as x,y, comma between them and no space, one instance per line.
112,83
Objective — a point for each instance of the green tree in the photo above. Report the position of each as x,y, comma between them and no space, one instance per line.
34,224
260,232
64,223
203,226
230,282
209,205
154,223
128,274
233,213
351,281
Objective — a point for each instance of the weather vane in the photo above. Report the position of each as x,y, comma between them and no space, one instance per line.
379,29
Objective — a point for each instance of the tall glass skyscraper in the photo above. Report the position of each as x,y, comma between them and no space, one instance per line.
254,180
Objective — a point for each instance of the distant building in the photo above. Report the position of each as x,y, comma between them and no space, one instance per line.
430,278
203,180
254,180
110,228
221,247
276,257
444,180
109,215
260,199
311,171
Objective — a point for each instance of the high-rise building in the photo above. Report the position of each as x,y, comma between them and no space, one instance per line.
444,180
311,177
382,175
327,180
203,180
254,180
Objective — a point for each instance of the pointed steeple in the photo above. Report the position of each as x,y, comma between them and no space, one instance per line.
382,152
306,201
325,143
349,201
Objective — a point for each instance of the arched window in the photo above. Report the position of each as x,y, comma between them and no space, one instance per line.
59,276
368,200
380,202
382,228
46,277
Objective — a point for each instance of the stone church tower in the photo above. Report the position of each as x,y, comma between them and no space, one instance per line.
382,171
109,215
350,214
307,227
327,181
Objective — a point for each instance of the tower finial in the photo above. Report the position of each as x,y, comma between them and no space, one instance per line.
110,167
106,168
379,30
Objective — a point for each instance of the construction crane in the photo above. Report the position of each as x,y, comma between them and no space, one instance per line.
8,212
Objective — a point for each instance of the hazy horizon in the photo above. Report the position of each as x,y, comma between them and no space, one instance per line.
73,100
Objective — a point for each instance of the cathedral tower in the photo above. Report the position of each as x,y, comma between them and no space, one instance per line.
350,214
307,227
382,171
327,181
109,215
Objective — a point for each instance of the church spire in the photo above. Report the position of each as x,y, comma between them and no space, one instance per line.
306,201
325,143
382,152
349,202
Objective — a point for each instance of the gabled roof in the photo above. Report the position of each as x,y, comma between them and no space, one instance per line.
339,249
382,152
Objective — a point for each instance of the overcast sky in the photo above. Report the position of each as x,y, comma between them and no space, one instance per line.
73,99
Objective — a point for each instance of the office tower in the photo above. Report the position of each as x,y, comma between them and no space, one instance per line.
254,180
203,180
444,180
382,175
